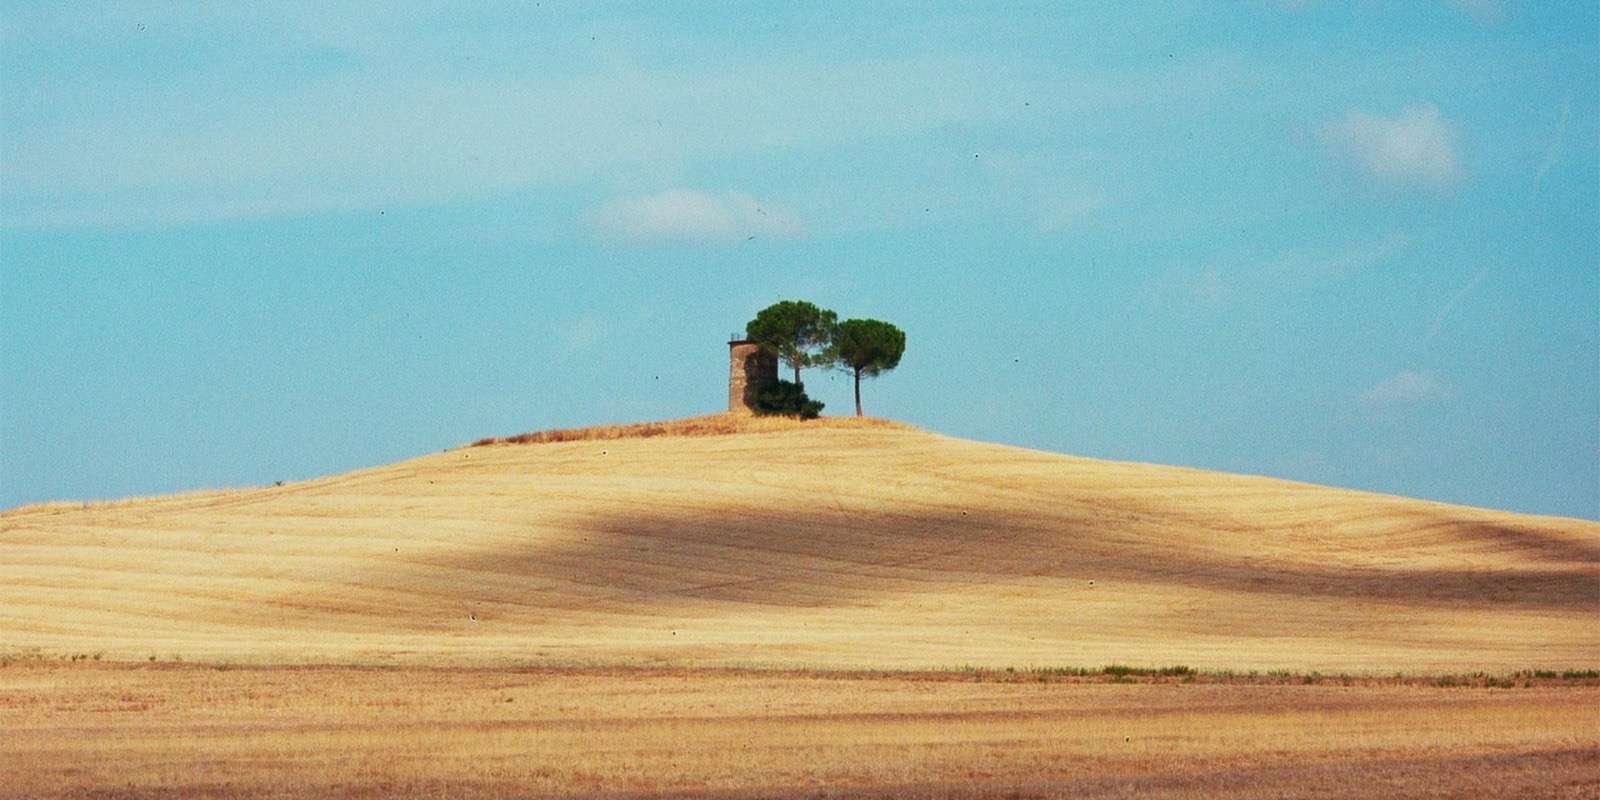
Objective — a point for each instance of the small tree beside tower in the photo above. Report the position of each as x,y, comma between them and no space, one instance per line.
867,347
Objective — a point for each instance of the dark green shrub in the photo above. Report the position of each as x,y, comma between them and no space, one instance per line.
788,399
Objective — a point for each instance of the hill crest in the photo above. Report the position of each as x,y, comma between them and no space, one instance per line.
846,544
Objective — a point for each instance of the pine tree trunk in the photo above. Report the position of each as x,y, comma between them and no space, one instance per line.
858,391
797,373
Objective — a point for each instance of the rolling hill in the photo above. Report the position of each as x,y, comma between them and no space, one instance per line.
832,544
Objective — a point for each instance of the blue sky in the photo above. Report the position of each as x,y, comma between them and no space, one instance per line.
1351,243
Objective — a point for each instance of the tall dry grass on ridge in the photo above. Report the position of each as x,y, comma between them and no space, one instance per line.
705,425
57,506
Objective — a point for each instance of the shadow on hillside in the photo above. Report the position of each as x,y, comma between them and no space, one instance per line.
832,557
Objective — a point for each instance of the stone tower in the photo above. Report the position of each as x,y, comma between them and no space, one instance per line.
749,369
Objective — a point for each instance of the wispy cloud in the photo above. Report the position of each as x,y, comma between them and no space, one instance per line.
1408,387
1444,311
1306,267
205,115
1485,11
684,215
1552,154
359,141
1248,276
1066,210
1413,149
582,333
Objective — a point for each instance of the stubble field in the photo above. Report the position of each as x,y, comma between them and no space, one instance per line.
187,731
785,610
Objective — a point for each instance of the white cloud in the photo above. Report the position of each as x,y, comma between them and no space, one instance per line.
686,215
1415,148
1408,387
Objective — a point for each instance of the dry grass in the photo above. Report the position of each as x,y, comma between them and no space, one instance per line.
193,731
58,506
855,548
840,545
706,425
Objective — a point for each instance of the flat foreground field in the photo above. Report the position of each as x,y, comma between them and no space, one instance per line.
188,731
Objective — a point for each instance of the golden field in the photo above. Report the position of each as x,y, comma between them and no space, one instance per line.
194,731
723,605
829,544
